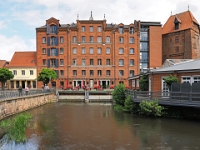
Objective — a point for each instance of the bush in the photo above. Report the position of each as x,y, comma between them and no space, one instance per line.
151,108
169,80
119,94
128,104
144,83
118,108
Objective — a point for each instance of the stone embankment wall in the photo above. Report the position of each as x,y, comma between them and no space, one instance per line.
16,105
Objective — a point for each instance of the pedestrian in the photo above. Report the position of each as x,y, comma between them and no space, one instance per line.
20,90
27,90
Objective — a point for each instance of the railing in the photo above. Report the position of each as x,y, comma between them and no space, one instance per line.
15,93
167,98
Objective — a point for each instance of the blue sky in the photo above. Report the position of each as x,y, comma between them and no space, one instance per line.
19,18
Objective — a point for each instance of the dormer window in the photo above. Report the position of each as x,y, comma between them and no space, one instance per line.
131,30
177,23
176,26
121,31
53,29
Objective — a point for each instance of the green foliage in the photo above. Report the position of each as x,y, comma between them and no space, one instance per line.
169,80
119,94
46,74
129,104
5,75
118,108
151,108
144,83
16,127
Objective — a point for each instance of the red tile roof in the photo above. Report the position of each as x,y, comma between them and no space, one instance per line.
3,63
23,59
185,18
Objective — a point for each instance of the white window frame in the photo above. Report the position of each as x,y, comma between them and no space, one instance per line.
31,72
107,50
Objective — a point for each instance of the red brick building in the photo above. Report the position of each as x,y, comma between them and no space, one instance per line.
95,53
180,37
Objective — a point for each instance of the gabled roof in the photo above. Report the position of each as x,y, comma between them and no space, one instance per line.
184,66
23,59
185,18
3,63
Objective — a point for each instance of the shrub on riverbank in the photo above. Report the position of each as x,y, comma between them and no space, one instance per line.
119,94
151,108
15,128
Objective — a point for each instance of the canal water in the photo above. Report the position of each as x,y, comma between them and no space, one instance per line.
96,126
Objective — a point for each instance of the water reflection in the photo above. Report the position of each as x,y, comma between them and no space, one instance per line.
97,126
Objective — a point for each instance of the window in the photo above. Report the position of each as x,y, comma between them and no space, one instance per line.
61,62
131,62
83,50
108,39
99,72
83,39
83,28
74,39
61,39
107,61
83,62
121,40
91,61
99,62
176,49
176,39
23,72
14,72
131,73
99,39
74,72
91,50
131,30
91,39
131,51
74,51
107,72
53,29
121,31
53,63
186,79
131,40
99,29
83,72
121,51
44,51
31,72
44,62
74,62
196,79
61,72
107,50
91,72
121,72
53,52
99,50
61,51
53,40
91,29
121,62
44,40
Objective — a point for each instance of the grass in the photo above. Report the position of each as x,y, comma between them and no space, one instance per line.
16,127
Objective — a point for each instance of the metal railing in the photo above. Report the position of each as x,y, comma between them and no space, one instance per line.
7,94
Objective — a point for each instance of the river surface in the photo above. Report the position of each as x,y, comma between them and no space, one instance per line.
96,126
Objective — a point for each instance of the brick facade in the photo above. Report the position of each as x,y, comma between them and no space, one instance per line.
92,52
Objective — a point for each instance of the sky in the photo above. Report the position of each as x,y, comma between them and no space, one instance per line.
20,18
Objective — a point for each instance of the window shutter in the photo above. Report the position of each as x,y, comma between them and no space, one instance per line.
48,29
48,52
57,29
48,63
48,41
56,41
56,51
56,63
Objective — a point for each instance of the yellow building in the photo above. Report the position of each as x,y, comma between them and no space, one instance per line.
24,69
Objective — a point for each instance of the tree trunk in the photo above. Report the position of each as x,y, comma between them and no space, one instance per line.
3,85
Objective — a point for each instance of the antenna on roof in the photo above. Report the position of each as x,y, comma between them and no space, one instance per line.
188,7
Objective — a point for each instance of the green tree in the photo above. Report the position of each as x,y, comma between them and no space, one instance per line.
5,75
169,80
119,94
144,83
46,75
129,104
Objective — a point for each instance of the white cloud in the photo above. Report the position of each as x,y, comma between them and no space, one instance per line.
2,25
16,43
